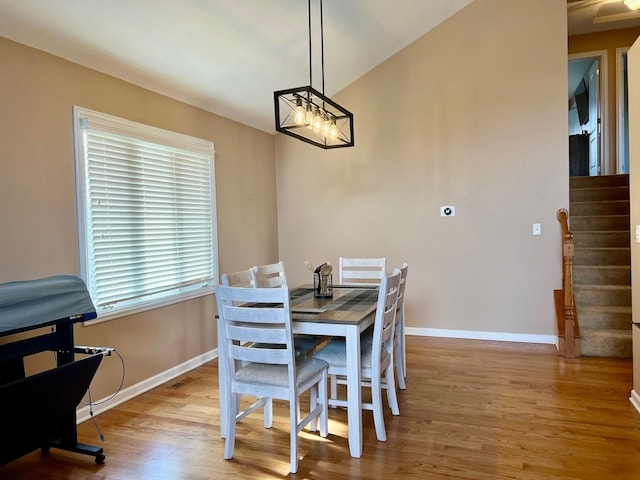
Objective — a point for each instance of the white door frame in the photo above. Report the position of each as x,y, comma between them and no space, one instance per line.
606,166
620,123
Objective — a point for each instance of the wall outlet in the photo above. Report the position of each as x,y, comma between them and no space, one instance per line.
537,230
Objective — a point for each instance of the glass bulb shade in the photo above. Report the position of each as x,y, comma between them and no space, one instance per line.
300,114
326,126
632,4
317,120
333,129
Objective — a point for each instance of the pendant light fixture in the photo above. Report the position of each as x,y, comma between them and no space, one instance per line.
310,116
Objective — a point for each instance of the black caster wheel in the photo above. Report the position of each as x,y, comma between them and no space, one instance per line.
100,459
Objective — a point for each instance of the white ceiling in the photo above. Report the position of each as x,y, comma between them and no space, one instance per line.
225,56
589,16
229,56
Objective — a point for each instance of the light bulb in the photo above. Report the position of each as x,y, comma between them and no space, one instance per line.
300,113
309,117
333,130
317,120
326,125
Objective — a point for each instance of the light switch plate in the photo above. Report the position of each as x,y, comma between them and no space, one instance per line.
537,230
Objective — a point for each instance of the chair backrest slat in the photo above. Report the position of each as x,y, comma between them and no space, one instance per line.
263,314
254,333
361,271
271,356
238,279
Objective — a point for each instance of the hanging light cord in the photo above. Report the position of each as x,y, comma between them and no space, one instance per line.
322,45
310,75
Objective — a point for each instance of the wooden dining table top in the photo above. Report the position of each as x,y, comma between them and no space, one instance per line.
347,305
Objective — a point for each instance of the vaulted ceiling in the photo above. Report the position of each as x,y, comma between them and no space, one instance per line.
225,56
228,56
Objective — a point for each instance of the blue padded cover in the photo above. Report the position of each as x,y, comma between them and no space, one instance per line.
36,303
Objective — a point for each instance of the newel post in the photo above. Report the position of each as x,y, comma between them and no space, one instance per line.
568,252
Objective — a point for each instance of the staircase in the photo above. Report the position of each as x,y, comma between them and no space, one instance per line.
599,220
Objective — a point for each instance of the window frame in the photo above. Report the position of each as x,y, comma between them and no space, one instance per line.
158,136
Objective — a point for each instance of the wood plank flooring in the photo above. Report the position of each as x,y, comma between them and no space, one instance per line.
472,410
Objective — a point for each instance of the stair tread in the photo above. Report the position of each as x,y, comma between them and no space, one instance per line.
608,230
603,267
598,286
606,308
604,248
606,332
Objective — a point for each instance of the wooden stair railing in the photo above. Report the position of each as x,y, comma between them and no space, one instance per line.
566,314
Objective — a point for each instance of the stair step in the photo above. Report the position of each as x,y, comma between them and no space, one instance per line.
599,223
600,181
611,238
616,207
605,317
606,343
602,275
598,194
602,256
610,295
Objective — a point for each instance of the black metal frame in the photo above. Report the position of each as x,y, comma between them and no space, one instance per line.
313,97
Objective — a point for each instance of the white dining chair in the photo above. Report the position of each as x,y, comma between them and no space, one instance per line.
376,359
271,371
244,278
399,356
361,271
267,276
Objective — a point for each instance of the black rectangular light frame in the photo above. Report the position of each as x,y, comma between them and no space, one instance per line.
285,123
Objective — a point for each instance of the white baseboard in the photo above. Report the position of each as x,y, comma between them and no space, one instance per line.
82,414
475,335
635,400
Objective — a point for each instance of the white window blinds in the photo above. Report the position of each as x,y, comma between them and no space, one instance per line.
146,213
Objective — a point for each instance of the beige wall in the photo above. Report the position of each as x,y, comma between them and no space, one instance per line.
608,41
473,114
633,59
37,199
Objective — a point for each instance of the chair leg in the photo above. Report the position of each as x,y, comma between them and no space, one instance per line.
230,438
378,415
294,408
313,403
399,361
334,388
268,413
324,416
392,397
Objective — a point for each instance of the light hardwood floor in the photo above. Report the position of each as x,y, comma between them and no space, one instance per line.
472,410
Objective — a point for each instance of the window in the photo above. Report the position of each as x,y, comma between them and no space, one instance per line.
146,214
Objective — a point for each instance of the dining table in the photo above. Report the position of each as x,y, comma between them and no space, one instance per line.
346,313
